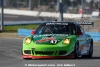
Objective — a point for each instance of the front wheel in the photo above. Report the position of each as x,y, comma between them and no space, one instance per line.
76,51
90,53
90,50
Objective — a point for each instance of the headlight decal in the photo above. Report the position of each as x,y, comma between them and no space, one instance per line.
27,40
66,41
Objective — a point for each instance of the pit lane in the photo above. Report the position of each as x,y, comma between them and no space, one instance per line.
10,56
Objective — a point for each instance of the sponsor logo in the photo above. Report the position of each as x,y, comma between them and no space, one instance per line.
56,23
44,40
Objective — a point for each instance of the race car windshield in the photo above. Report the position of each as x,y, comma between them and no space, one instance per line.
55,29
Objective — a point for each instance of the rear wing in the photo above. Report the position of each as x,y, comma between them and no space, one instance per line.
86,23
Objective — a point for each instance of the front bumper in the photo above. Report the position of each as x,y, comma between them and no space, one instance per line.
40,57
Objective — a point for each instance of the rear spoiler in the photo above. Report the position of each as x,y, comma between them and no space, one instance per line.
86,23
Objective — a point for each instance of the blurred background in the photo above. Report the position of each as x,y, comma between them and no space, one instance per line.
83,7
69,6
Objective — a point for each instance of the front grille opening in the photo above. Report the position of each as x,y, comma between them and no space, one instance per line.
62,52
44,52
27,51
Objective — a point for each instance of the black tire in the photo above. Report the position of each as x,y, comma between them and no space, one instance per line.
76,51
90,50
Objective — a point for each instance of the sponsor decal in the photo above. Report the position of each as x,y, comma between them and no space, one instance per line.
56,23
58,35
35,36
53,41
54,38
82,46
85,23
44,40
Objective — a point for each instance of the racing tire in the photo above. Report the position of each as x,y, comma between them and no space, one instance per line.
90,50
76,51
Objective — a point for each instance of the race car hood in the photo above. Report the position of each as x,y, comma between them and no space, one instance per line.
48,38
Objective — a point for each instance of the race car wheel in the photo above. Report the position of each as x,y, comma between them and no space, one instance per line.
76,51
90,50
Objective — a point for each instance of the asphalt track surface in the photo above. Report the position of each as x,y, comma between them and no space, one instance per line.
10,56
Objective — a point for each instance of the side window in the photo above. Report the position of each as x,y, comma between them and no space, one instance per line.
79,28
82,30
64,29
72,29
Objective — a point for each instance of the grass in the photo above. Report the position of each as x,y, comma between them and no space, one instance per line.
15,28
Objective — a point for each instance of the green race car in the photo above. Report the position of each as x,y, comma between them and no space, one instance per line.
58,40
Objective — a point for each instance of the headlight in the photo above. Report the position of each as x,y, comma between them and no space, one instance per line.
66,41
27,40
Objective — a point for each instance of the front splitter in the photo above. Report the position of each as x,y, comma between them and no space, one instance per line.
33,57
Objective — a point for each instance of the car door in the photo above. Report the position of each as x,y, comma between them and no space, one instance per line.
82,41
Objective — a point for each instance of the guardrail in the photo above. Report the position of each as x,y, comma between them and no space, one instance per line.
41,14
27,32
22,23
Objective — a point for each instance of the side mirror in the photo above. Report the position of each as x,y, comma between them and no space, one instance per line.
79,33
33,31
